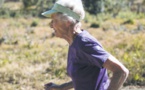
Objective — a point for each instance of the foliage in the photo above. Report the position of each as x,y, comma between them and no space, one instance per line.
129,21
44,57
95,25
34,24
29,3
26,8
113,7
37,6
94,6
27,45
133,57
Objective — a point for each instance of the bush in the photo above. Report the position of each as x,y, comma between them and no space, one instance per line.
4,12
129,21
95,25
131,52
34,24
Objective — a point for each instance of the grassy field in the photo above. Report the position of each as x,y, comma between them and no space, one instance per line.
31,56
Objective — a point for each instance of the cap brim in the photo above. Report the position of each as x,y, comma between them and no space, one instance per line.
48,13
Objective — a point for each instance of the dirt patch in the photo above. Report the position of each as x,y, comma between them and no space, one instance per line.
133,88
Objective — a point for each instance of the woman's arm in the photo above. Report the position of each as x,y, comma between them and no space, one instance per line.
120,73
65,86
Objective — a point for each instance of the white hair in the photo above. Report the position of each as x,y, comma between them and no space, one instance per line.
75,5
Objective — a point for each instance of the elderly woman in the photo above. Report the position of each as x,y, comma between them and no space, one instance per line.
87,62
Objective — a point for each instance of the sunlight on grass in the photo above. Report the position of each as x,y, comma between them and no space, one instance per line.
31,56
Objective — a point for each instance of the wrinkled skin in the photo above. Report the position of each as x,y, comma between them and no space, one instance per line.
52,86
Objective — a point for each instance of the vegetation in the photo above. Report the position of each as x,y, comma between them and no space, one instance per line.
36,7
31,56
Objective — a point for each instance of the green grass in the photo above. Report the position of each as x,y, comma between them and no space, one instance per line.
31,57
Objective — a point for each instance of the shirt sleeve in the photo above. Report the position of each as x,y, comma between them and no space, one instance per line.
94,51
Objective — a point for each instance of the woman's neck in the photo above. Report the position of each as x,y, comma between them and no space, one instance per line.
72,36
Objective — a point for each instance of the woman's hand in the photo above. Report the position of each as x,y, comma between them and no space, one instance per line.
52,86
64,86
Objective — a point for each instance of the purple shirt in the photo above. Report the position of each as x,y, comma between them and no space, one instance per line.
85,59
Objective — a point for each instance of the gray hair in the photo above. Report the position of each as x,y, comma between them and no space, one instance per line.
75,5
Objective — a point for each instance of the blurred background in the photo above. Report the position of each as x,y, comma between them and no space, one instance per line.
30,55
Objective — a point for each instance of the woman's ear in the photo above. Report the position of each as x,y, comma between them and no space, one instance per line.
77,28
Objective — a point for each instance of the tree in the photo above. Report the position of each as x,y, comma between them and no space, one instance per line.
27,4
36,7
94,6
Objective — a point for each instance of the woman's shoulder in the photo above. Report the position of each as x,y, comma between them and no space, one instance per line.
85,39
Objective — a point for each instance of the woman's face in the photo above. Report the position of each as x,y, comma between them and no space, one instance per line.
60,26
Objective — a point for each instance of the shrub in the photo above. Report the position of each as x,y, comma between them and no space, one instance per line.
34,24
95,25
129,21
131,52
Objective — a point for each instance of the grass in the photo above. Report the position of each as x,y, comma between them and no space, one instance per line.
34,60
31,57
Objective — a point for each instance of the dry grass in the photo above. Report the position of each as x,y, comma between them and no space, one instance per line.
31,57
